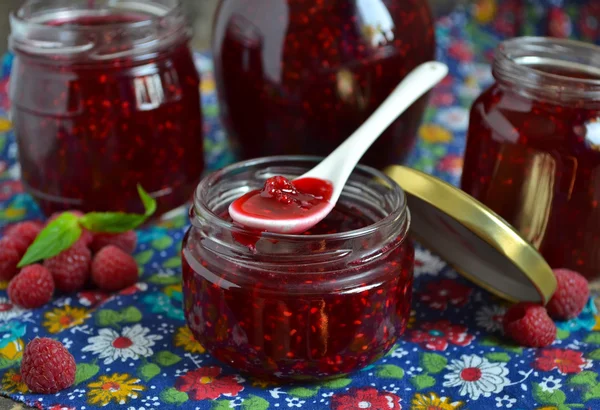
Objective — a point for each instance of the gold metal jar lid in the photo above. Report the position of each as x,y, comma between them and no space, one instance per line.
473,239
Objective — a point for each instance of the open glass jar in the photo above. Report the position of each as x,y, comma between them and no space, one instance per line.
308,306
533,150
105,96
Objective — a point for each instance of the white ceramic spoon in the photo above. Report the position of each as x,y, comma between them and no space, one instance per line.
338,166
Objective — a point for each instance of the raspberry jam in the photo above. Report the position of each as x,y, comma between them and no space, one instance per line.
299,76
102,100
281,199
533,150
296,307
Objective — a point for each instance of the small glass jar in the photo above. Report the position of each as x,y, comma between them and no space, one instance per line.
296,77
105,96
533,149
310,306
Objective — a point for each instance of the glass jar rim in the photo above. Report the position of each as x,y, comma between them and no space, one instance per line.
399,215
160,26
18,15
515,62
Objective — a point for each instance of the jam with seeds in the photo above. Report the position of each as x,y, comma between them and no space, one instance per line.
104,99
299,307
299,76
533,150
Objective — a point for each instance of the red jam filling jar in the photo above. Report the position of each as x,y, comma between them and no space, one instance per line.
533,149
297,77
298,307
105,96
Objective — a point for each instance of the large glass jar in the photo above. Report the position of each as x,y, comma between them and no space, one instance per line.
299,76
105,96
308,306
533,151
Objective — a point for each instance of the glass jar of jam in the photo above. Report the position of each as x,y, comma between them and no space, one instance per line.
297,77
321,304
533,150
105,96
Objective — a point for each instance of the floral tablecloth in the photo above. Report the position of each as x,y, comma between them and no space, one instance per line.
452,355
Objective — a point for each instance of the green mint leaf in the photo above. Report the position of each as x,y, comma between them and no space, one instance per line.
147,200
56,237
119,222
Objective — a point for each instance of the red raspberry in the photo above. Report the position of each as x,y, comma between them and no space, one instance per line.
86,236
279,188
25,233
529,325
32,287
47,366
571,296
10,255
126,241
71,268
113,269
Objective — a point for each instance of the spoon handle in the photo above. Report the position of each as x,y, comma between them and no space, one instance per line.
340,163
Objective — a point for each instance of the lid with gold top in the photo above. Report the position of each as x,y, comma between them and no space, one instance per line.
477,242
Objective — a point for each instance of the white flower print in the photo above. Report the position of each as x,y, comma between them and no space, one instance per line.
455,118
490,317
476,376
427,263
294,402
132,343
195,320
399,353
550,384
505,401
8,310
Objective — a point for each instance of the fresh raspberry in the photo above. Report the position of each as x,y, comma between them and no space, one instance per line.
10,255
70,268
47,366
126,241
86,236
529,325
113,269
279,188
24,232
32,287
571,296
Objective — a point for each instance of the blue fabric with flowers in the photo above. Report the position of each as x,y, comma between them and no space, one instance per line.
452,355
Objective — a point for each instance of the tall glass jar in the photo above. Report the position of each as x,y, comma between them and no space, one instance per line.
308,306
105,96
299,76
533,150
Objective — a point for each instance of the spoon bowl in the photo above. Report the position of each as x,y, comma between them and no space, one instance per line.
334,171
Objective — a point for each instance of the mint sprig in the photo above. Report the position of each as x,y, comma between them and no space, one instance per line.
118,222
65,230
58,235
